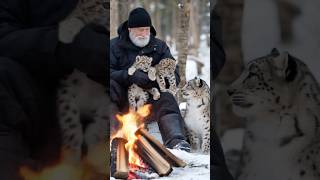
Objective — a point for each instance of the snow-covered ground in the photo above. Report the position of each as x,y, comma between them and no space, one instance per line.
204,55
198,165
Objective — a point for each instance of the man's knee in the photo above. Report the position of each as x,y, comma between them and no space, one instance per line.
167,104
167,99
167,96
14,90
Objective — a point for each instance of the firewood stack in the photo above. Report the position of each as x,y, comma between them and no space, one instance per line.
150,150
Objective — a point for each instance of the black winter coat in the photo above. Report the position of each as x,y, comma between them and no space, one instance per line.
124,52
28,32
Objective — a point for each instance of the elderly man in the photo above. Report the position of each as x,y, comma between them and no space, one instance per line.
137,37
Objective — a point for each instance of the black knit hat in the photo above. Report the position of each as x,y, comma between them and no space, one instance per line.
139,17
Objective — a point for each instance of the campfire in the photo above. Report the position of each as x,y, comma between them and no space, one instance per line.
134,152
90,168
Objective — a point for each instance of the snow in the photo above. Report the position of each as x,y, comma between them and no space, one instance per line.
191,65
198,165
191,68
204,55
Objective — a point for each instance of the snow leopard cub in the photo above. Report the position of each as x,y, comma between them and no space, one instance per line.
82,104
86,12
83,113
137,96
197,117
166,70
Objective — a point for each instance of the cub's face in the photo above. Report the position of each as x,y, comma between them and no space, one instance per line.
144,63
265,85
195,88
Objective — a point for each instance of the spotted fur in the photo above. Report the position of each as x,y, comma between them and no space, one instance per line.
83,106
137,96
83,113
279,97
197,118
86,11
166,70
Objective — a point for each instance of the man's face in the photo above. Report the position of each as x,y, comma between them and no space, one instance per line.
140,31
140,36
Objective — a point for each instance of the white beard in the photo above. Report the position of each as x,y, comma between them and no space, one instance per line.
139,41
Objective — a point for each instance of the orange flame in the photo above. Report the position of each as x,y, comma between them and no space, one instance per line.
61,172
131,122
92,166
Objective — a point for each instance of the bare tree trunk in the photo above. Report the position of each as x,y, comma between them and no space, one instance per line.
174,31
123,10
194,32
114,19
182,40
157,19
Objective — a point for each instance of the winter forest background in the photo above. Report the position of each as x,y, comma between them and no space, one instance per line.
251,28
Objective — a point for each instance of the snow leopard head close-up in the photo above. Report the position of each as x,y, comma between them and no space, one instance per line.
195,88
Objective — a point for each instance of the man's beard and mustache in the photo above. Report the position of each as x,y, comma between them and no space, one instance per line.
139,40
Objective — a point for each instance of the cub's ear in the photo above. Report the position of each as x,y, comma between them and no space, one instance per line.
286,66
138,58
199,82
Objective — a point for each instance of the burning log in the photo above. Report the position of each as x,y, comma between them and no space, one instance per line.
119,159
161,149
150,155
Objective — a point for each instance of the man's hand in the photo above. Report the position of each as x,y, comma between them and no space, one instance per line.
142,80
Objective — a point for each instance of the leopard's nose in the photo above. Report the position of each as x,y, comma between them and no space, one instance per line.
231,92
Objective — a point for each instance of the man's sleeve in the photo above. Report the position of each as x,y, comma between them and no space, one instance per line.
167,54
216,50
117,74
18,40
33,47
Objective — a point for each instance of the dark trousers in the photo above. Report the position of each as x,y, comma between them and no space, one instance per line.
164,110
25,118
